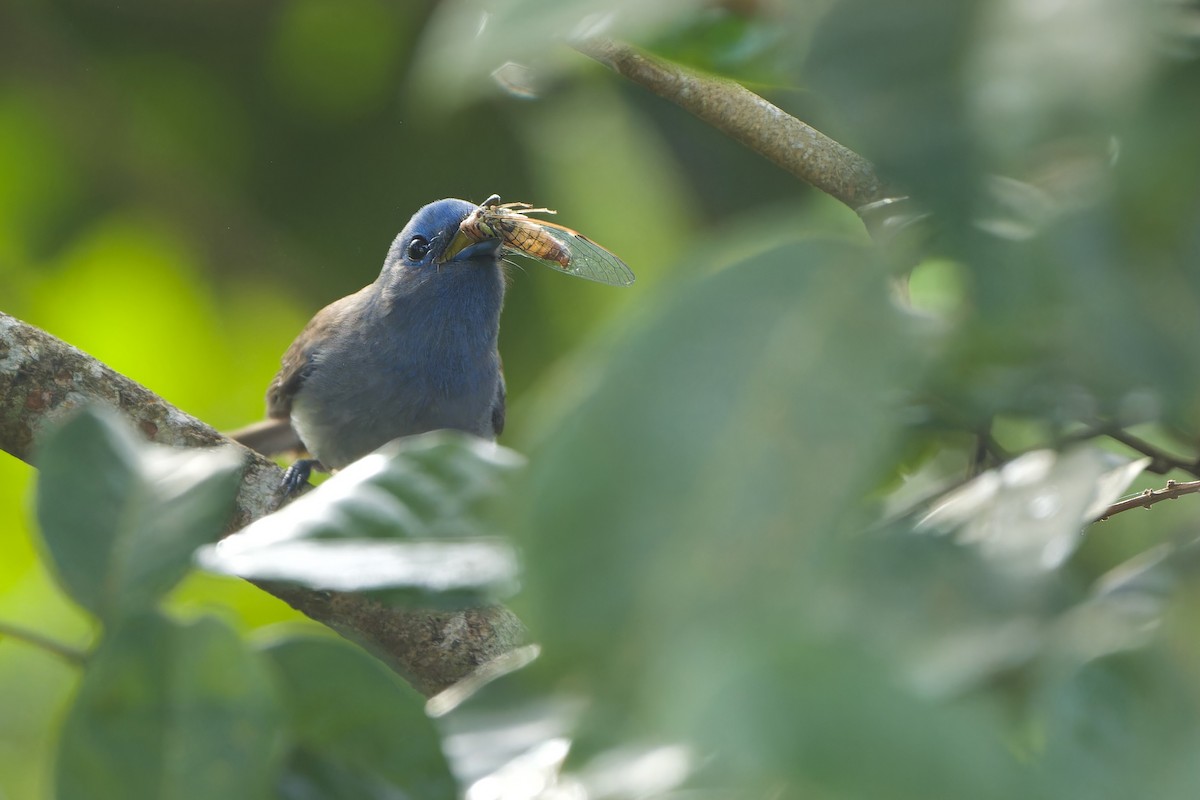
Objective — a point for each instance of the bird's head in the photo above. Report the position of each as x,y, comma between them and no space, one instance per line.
419,251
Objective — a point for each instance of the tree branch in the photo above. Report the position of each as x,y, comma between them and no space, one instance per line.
43,378
1161,462
741,114
73,656
1149,497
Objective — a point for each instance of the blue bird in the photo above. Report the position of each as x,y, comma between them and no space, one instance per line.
412,352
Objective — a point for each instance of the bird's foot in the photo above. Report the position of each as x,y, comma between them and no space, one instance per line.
297,475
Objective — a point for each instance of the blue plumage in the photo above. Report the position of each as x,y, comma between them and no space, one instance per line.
412,352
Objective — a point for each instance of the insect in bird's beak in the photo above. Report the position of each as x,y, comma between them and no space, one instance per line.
546,242
471,230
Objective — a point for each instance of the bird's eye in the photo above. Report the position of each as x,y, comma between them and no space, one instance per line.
418,248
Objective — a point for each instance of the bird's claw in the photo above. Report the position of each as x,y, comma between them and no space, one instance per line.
297,475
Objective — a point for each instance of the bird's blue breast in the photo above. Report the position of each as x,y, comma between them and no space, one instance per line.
416,352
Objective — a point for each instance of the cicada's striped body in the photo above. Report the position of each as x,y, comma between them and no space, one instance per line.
553,245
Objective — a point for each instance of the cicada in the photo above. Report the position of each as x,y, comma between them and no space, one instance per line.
553,245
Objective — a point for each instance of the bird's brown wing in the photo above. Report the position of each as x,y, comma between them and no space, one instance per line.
298,360
271,437
498,403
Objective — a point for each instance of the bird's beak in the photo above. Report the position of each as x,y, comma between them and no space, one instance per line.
460,242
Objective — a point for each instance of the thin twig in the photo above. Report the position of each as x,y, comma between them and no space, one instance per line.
1161,462
741,114
1149,497
73,656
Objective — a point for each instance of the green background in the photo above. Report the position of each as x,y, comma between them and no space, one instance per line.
183,185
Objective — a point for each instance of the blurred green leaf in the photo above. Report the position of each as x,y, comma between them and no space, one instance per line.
820,718
399,573
1154,159
716,40
1154,211
894,75
730,435
416,514
120,518
167,709
466,39
958,621
1123,611
1055,315
1029,514
1042,75
1121,727
356,729
311,775
504,727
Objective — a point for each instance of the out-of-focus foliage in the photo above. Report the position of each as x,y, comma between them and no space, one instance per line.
121,525
724,555
416,517
189,709
368,737
169,710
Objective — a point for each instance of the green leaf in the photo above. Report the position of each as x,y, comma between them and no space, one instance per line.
1029,514
311,775
1120,727
504,725
121,518
721,442
827,720
894,73
465,43
688,504
418,514
747,48
357,728
170,710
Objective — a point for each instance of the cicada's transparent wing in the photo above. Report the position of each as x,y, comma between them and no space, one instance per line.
583,257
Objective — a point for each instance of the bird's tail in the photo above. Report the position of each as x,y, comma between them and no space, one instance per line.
271,437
